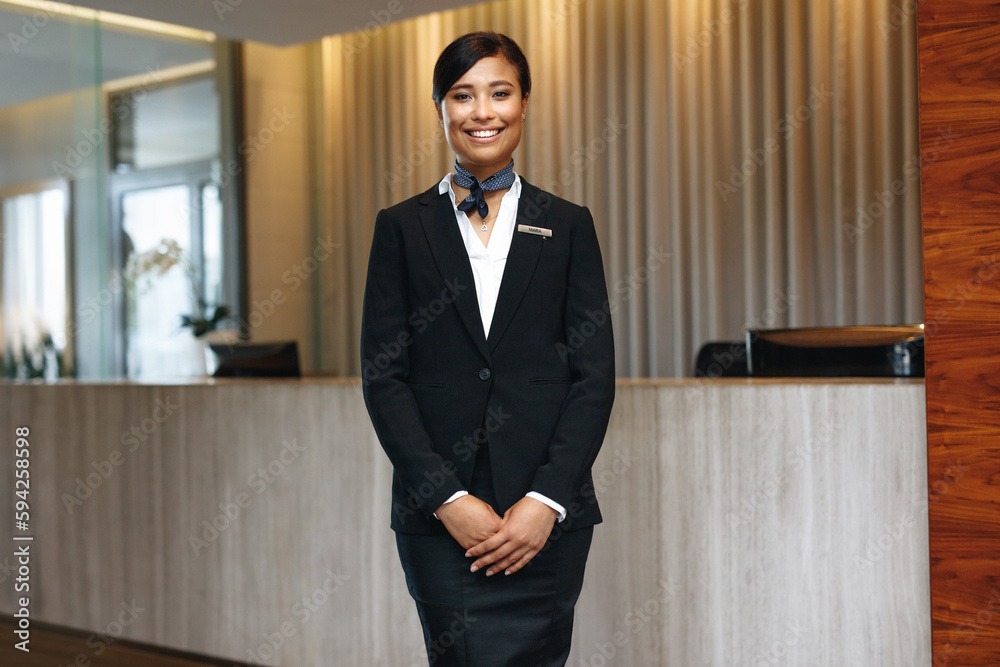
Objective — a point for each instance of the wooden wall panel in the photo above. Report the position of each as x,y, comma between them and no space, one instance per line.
959,43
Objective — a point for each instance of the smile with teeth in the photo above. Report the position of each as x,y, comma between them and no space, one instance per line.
484,134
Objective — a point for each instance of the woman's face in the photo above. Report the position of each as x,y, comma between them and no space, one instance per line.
482,116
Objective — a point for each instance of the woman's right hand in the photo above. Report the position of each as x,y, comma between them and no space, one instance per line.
469,520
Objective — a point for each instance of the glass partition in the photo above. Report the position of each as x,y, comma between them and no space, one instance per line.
132,121
51,183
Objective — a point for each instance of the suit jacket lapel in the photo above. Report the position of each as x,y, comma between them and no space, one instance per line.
438,220
521,261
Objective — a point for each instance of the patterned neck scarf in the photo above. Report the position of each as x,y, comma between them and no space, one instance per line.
501,180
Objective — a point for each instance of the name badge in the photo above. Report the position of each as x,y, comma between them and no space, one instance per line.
540,231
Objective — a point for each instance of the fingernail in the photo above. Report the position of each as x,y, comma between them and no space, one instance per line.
489,573
474,568
507,573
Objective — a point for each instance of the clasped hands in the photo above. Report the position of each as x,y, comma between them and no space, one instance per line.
504,544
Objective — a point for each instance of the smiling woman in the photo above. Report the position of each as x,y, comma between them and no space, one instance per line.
475,496
483,113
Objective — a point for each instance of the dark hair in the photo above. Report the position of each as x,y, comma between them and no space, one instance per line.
460,56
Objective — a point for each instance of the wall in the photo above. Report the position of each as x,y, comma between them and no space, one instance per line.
960,198
34,135
282,249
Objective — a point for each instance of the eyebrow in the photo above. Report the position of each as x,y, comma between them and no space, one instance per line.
493,84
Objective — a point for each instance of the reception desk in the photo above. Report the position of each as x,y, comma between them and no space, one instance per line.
747,522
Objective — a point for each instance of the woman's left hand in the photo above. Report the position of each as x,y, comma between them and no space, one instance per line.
526,527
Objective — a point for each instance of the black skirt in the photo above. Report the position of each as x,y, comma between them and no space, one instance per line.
471,620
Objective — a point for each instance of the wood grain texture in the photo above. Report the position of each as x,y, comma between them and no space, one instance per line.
746,523
959,44
53,646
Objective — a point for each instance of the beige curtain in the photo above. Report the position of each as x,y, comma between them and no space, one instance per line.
749,163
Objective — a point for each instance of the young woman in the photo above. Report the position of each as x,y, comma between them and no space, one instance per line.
489,376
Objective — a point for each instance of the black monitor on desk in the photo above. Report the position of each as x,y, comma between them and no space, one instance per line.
857,351
261,360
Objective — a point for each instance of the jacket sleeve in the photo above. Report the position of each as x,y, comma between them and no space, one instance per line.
386,336
589,349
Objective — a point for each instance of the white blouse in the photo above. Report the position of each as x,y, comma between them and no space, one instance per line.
488,262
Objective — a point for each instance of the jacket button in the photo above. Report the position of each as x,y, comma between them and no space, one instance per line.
485,374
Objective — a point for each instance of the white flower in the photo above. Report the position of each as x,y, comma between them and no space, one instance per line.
156,261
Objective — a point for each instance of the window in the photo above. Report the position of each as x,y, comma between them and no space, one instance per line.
35,289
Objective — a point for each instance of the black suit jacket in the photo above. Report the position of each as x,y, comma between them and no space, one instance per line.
539,388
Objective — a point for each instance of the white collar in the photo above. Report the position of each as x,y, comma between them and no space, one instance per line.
444,187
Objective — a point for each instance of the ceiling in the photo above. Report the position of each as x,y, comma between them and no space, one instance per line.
278,22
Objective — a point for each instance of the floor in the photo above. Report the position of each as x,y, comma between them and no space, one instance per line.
53,646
